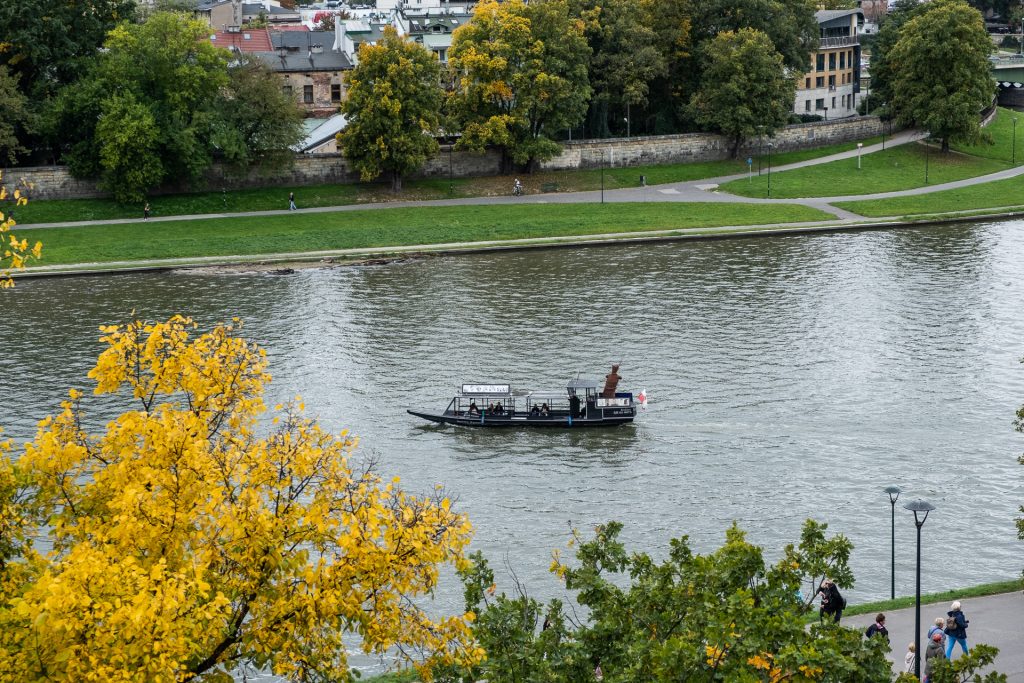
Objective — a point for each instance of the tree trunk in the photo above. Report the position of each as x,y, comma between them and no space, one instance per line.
945,144
507,167
396,182
735,151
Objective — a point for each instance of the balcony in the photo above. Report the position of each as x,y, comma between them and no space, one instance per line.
838,41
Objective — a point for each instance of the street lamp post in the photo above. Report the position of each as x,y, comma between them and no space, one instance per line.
769,170
894,495
602,177
451,170
920,508
859,146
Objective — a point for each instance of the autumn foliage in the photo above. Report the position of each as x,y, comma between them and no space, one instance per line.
180,544
14,253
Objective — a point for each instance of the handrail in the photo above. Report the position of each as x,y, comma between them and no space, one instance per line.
839,41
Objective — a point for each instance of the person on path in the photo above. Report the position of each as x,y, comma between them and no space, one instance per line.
878,628
145,212
291,201
933,653
956,629
910,658
940,628
832,601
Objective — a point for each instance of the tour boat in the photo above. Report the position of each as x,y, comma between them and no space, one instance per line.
581,404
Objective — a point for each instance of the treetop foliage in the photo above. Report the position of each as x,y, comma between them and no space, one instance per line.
182,544
727,615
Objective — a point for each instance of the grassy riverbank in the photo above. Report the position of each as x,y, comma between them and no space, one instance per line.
998,194
899,168
295,233
266,199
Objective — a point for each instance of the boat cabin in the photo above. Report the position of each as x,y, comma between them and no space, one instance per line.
581,403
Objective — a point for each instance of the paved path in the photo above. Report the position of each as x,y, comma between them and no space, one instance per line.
703,190
995,620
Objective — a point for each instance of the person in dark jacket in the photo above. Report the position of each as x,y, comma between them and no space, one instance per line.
878,628
932,655
832,601
956,629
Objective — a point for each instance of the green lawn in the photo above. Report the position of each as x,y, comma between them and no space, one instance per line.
997,194
1001,129
291,233
262,199
898,168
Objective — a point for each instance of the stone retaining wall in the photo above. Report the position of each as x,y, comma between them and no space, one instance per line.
55,182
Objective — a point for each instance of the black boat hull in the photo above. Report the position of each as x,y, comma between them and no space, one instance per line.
501,421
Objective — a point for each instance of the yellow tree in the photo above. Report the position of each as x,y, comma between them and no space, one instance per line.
14,253
185,545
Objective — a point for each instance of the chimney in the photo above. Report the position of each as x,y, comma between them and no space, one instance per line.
236,12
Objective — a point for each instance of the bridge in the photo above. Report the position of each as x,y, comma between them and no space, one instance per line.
1008,73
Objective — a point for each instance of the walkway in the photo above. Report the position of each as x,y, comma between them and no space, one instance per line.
995,620
704,190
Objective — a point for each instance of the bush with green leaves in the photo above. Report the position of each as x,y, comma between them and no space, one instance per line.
724,616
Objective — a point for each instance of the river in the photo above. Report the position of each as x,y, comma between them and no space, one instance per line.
788,377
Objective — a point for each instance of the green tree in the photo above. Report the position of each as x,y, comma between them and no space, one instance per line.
14,117
888,35
393,108
744,87
626,57
47,42
942,77
724,616
522,78
196,111
789,24
255,121
963,669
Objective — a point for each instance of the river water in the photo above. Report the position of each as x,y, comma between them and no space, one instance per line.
788,377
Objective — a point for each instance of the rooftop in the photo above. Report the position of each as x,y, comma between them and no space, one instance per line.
245,40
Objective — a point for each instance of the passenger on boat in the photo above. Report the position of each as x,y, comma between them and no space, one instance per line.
544,410
499,409
535,410
473,410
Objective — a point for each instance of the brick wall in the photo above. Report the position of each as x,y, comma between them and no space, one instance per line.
54,182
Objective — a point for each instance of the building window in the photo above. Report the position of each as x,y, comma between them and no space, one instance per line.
807,83
842,60
820,65
833,103
819,104
335,92
287,90
819,82
832,81
307,94
807,105
442,55
831,61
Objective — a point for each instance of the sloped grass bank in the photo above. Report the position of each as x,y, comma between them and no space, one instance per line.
294,233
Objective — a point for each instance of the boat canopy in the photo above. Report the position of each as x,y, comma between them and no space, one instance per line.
582,384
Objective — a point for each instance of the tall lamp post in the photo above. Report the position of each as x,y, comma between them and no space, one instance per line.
894,495
920,508
927,156
769,170
859,146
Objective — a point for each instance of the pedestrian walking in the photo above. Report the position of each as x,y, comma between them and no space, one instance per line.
832,601
291,201
940,628
145,212
878,628
932,655
910,658
956,629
